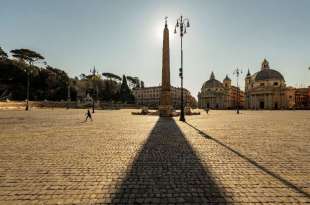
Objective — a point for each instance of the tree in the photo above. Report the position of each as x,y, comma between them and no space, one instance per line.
125,93
133,81
3,54
112,76
57,83
30,57
142,84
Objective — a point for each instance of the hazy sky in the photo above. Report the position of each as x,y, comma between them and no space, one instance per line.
125,37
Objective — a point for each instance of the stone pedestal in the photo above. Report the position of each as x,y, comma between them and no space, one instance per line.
165,110
145,110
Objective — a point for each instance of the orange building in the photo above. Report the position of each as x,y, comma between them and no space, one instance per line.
302,98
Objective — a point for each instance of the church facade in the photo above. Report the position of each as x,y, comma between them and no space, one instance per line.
266,89
220,95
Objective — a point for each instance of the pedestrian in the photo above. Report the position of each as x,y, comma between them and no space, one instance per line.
88,115
207,110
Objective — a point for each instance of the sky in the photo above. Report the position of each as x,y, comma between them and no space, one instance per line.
125,37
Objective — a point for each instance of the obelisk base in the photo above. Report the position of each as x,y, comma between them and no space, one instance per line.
165,110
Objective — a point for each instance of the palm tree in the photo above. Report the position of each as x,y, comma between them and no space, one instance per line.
30,57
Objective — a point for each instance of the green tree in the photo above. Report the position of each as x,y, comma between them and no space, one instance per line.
30,57
112,76
3,54
125,93
133,81
57,83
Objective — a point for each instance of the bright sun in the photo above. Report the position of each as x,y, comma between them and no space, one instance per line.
158,32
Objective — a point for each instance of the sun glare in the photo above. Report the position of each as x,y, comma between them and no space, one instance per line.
159,30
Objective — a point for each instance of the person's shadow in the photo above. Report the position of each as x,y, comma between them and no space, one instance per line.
168,171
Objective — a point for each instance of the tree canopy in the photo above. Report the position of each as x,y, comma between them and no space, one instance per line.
26,54
53,83
112,76
134,81
125,93
3,54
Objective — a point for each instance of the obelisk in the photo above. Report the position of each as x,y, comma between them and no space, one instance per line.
165,107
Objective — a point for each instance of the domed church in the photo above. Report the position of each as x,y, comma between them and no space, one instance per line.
219,95
266,89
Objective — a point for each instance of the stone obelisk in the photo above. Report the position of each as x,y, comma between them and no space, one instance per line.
165,107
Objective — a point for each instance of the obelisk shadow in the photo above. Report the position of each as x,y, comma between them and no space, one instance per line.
167,170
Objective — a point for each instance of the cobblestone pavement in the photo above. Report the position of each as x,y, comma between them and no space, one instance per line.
52,157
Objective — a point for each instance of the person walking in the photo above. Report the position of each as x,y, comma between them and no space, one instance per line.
88,115
207,109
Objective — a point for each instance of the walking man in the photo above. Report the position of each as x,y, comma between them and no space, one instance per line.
88,115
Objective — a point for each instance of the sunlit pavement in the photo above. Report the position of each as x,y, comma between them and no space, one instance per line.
53,157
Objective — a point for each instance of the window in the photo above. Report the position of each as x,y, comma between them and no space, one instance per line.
275,83
262,84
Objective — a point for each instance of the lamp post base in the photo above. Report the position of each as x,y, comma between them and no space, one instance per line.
182,118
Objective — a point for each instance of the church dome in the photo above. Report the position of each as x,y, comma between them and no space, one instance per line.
212,82
268,74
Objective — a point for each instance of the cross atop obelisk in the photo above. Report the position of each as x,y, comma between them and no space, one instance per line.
165,107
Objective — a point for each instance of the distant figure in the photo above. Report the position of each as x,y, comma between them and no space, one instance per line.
88,115
207,110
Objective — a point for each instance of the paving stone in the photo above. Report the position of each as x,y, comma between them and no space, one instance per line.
257,157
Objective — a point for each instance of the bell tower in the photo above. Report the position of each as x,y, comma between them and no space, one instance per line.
227,82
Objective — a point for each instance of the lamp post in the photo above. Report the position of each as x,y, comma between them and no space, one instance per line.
237,72
94,73
182,23
68,93
28,81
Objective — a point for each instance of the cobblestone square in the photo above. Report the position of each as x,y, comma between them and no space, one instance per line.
52,157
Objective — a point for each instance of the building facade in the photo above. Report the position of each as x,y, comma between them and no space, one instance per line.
220,95
302,98
150,96
266,89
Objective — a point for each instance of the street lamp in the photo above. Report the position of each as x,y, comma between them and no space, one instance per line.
237,72
182,23
68,93
28,81
94,73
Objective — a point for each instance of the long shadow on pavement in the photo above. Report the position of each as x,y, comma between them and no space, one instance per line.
264,169
167,170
